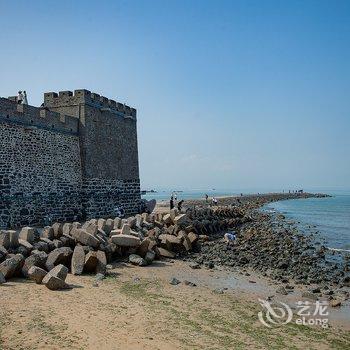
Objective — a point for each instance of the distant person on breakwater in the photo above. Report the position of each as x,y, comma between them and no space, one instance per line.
206,198
171,202
179,205
20,97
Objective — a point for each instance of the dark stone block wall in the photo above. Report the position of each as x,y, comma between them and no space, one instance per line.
40,176
109,153
107,198
75,158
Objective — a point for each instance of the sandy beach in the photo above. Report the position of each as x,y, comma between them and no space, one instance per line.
137,308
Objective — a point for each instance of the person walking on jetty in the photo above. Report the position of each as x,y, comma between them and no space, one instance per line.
20,97
179,205
206,198
171,202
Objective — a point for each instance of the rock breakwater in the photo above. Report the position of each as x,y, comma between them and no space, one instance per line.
264,243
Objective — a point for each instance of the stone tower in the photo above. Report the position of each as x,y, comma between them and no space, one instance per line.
77,158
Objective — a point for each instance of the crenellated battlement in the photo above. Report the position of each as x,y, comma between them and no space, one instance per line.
82,96
75,157
26,115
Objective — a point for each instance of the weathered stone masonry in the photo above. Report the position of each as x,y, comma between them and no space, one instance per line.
74,159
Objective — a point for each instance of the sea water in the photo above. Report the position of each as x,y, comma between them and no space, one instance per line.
329,216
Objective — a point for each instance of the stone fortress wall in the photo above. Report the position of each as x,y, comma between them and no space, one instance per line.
75,158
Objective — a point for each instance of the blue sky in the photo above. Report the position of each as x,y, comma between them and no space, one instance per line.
230,94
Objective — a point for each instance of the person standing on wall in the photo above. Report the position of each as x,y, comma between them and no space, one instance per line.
20,97
25,100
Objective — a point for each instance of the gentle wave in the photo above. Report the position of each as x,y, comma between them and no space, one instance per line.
339,249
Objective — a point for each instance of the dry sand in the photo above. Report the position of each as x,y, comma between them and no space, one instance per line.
137,308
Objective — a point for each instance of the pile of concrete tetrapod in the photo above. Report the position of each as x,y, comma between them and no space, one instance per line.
46,255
